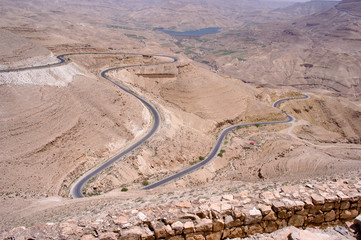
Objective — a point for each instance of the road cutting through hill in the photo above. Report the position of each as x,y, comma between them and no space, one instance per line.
78,185
217,146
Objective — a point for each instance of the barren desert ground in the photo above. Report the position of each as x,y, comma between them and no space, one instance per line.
60,121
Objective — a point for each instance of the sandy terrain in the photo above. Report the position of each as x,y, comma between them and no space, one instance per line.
46,129
59,122
190,120
312,146
20,52
48,132
319,51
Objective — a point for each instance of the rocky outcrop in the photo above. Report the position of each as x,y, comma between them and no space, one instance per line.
233,216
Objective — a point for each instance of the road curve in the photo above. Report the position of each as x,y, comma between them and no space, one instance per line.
218,144
77,187
76,190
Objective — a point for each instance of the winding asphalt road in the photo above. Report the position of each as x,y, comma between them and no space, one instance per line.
216,148
77,187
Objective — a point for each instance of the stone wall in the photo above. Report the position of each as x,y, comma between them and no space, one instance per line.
231,216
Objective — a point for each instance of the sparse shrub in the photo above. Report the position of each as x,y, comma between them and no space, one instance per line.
220,154
193,162
145,183
124,189
135,36
201,158
257,125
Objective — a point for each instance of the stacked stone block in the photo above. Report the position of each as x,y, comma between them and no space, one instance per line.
231,216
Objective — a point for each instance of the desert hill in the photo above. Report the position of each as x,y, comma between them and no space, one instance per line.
65,115
350,6
306,8
20,52
168,17
44,116
317,51
195,105
192,15
59,122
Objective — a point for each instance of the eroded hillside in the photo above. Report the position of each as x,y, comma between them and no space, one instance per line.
318,51
58,122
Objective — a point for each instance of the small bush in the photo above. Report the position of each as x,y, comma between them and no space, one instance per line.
201,158
220,155
135,36
124,189
145,183
257,125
